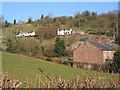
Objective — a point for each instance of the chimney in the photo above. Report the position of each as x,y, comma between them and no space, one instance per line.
89,36
100,39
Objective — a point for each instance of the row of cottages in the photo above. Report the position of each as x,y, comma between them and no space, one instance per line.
92,51
65,32
31,33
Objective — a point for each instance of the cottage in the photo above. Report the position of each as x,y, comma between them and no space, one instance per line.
92,51
64,32
32,33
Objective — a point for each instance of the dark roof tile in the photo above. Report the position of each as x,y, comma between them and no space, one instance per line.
103,45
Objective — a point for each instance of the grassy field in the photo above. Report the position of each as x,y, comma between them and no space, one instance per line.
20,65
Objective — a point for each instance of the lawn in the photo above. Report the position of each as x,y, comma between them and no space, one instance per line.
17,66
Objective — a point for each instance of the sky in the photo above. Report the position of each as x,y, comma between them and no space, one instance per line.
23,10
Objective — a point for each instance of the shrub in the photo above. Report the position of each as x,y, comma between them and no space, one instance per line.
12,45
48,59
30,46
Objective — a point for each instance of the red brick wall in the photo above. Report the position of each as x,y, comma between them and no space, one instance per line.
88,53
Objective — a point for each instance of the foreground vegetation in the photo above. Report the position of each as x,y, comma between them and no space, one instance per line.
22,68
56,82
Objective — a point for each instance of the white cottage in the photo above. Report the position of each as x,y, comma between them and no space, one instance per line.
63,32
32,33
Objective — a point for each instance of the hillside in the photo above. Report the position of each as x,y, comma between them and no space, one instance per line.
20,65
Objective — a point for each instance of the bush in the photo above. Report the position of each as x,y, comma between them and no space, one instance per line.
48,59
30,46
12,45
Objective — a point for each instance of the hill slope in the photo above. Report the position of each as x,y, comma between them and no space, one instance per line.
19,65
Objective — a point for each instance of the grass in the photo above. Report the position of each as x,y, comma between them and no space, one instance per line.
47,43
24,28
20,65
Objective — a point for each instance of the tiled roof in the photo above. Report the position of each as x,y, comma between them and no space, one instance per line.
103,45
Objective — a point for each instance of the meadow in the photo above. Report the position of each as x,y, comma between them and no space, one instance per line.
18,67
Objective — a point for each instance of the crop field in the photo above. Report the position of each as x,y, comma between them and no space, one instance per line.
18,67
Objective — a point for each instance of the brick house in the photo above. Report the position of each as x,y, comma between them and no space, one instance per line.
92,51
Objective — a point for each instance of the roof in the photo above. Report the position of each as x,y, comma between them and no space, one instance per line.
83,39
30,32
103,45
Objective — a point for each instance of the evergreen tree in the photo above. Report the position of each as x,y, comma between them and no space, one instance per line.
116,61
59,47
12,45
29,20
14,21
9,46
6,24
54,19
42,16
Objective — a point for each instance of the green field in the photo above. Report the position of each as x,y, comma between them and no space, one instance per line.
17,66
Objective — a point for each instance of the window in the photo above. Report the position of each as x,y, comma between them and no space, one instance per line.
104,54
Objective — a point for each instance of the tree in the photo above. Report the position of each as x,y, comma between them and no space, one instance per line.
54,19
117,41
6,24
57,23
29,20
12,45
42,16
94,14
86,13
116,61
14,21
59,47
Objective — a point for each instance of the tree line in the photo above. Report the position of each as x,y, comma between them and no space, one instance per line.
102,23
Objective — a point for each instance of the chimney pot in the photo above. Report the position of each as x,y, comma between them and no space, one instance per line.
100,39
